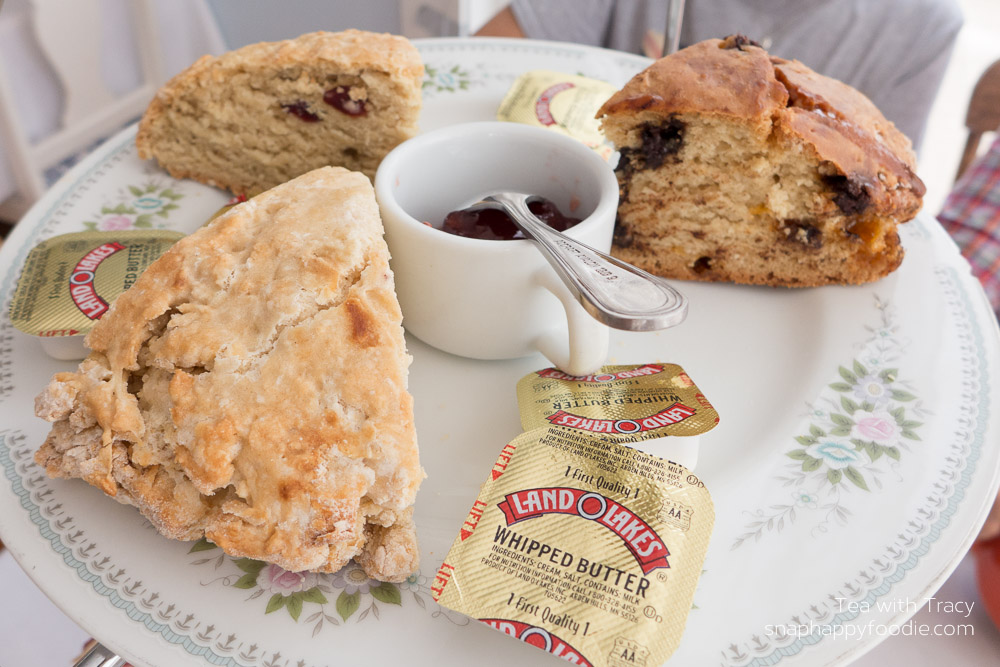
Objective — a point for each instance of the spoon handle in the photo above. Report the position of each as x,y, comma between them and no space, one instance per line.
612,291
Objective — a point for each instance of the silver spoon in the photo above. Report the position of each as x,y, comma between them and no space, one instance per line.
612,291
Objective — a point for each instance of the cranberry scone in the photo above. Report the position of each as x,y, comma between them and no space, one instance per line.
736,165
251,388
258,116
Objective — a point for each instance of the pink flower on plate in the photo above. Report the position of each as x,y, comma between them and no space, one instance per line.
274,579
879,427
115,222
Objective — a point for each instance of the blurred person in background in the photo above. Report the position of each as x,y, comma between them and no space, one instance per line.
971,214
893,51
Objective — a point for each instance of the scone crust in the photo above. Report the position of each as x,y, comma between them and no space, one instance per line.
251,386
349,53
734,78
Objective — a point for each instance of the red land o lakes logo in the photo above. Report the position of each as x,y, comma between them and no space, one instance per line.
81,280
674,413
640,539
648,369
537,637
542,111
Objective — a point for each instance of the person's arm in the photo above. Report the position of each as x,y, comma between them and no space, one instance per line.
504,24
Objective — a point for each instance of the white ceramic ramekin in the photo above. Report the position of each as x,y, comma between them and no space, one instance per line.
493,299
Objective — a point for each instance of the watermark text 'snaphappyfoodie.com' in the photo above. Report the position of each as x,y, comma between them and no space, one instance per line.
910,628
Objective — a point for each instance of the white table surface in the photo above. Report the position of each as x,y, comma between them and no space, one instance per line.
34,632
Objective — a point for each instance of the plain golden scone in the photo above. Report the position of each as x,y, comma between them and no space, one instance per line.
251,388
740,166
258,116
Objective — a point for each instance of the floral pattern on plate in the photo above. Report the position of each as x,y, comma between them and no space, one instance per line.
347,594
142,206
858,430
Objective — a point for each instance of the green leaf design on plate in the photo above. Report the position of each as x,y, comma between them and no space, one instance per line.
901,395
892,452
293,603
249,565
314,594
849,406
841,386
276,602
874,451
386,592
348,604
809,464
816,431
834,476
201,545
889,374
805,440
856,477
850,377
142,224
135,191
841,431
797,454
859,369
246,581
907,433
841,420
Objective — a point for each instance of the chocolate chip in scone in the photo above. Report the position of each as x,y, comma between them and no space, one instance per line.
660,141
850,195
622,236
737,41
802,233
624,171
702,264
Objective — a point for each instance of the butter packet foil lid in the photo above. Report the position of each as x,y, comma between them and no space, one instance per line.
565,103
631,403
586,549
69,281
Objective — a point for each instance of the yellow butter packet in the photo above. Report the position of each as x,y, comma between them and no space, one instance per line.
69,281
624,403
584,548
566,103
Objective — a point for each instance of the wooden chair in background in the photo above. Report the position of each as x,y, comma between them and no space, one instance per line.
983,115
70,36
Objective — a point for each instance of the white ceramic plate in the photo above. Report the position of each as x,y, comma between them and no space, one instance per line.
810,531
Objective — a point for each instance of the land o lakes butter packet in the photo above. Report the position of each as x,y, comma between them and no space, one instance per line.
69,281
584,548
629,403
565,103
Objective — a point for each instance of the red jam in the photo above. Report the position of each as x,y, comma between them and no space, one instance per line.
340,99
495,225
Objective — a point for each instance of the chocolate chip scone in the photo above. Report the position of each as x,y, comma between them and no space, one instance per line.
251,388
740,166
263,114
